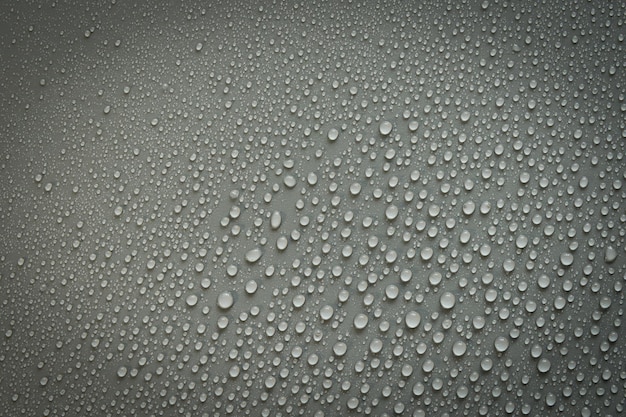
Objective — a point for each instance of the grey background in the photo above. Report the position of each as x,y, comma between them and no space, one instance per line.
130,154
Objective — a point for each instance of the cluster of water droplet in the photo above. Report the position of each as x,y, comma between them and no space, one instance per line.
396,208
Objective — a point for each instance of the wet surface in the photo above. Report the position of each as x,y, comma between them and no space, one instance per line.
315,208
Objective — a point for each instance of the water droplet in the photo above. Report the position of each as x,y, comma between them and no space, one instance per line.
610,254
412,319
385,128
225,300
340,348
459,348
376,345
567,259
326,312
276,220
122,371
192,300
544,365
360,321
501,344
299,300
253,255
391,212
447,300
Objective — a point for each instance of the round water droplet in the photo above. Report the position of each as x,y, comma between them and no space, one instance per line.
605,302
281,243
385,128
412,319
289,181
391,212
192,300
333,134
501,344
376,345
459,348
298,300
543,281
478,322
407,370
521,242
326,312
270,381
567,259
352,403
543,365
434,210
360,321
392,291
340,348
122,371
435,278
406,275
610,254
225,300
508,265
251,287
447,300
313,359
253,255
469,207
